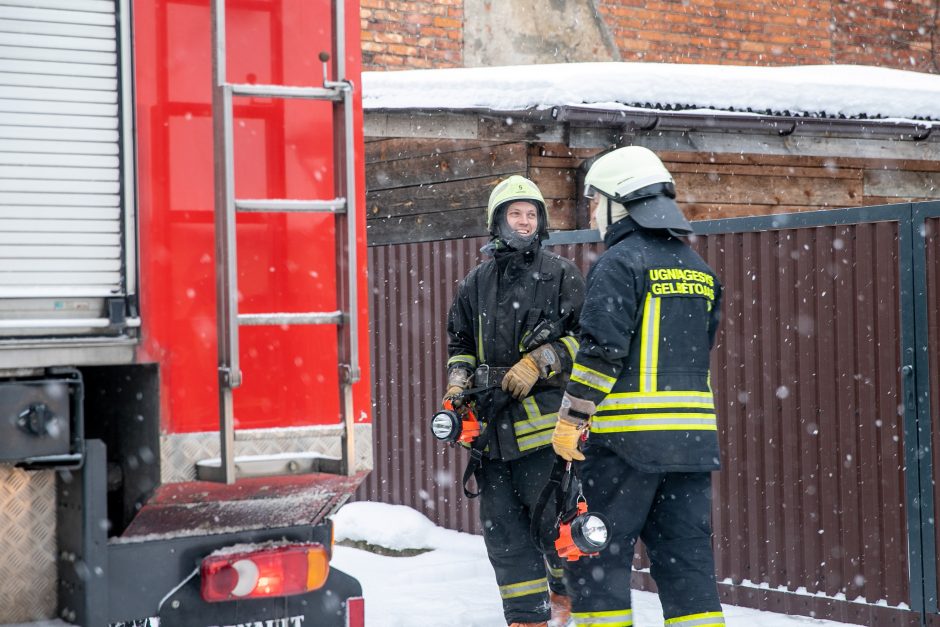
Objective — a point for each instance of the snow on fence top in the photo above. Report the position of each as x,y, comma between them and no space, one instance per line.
831,91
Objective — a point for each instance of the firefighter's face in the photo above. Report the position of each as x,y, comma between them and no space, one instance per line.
522,217
592,209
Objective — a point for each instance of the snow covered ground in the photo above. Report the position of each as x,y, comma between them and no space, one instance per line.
452,585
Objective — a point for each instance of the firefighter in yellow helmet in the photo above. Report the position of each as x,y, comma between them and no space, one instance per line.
512,331
641,386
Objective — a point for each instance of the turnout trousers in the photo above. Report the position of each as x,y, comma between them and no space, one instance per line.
671,513
509,491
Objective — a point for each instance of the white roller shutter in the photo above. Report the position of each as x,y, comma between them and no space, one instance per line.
66,214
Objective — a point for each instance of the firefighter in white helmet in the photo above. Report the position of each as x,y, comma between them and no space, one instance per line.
640,386
513,333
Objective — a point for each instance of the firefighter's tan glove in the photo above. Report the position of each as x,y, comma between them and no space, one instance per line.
574,417
538,364
458,379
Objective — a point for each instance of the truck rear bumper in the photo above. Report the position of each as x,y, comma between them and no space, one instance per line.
138,576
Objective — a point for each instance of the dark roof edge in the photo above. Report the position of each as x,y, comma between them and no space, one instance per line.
654,119
778,124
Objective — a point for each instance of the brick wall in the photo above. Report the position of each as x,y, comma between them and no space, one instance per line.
781,32
411,35
901,34
889,33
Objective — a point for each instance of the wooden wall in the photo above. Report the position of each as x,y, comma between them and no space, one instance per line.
427,189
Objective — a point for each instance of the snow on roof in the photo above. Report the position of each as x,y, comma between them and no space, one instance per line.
833,91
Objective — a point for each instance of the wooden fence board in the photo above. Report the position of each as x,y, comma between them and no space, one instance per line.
902,184
402,148
502,159
431,198
768,190
427,227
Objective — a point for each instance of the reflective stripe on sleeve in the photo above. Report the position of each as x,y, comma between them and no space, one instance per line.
592,378
615,618
470,360
521,589
572,345
705,619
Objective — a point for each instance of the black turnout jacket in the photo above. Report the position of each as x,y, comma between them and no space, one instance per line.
649,321
497,303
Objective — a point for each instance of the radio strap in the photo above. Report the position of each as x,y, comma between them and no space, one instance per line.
559,481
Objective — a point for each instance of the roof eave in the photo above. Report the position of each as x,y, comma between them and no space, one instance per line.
680,121
656,119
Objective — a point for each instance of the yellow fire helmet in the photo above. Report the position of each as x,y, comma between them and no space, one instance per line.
510,190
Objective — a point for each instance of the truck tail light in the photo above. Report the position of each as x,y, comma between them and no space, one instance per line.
267,572
355,612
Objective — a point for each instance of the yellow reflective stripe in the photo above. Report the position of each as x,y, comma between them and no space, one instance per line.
470,360
537,429
524,427
654,422
531,408
556,573
663,394
535,440
649,343
486,449
572,345
605,406
480,339
592,378
691,399
615,618
523,588
705,619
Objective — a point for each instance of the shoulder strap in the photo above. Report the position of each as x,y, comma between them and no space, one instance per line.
475,461
558,483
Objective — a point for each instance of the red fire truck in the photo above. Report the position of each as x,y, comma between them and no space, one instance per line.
184,385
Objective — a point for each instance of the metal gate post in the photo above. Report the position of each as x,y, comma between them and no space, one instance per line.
920,449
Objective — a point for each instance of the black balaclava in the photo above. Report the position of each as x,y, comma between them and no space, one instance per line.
511,238
505,238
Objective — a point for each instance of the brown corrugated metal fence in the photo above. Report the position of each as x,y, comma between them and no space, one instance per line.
811,494
412,288
812,491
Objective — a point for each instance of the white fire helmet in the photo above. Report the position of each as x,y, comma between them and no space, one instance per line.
633,179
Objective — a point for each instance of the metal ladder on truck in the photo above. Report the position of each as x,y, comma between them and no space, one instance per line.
343,206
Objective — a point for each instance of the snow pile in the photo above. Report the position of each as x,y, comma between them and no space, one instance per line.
453,584
398,527
818,90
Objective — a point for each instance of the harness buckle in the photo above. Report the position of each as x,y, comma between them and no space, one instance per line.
482,372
